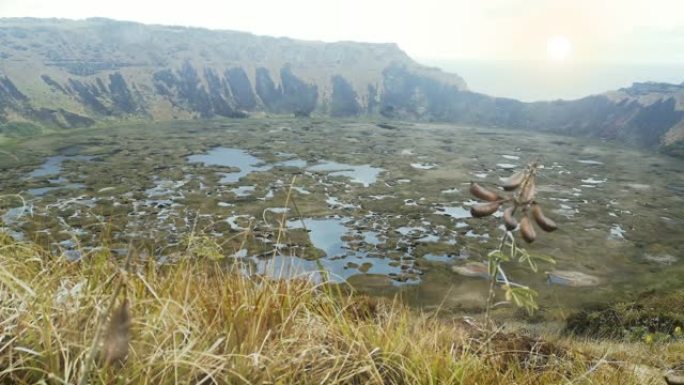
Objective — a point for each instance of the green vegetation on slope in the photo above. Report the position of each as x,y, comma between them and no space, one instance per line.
656,314
19,129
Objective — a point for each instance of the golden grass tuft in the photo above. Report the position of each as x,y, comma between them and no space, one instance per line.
197,322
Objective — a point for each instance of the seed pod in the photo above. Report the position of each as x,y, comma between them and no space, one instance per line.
542,220
118,338
513,182
484,209
482,193
527,231
509,220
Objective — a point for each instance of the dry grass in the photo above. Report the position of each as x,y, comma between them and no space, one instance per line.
197,322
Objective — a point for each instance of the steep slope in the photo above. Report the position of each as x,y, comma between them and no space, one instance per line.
101,68
644,114
64,73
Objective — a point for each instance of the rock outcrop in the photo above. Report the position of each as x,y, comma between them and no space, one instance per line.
99,69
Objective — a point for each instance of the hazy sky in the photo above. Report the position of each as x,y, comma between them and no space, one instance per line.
596,30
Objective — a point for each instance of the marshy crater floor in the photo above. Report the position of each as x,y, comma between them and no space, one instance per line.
387,211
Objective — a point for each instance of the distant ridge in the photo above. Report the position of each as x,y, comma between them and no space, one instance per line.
67,73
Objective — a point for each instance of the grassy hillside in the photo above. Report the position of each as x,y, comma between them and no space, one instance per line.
196,321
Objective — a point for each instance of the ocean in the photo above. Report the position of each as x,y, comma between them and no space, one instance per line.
533,81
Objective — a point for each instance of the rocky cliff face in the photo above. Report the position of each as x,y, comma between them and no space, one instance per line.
68,73
61,73
645,114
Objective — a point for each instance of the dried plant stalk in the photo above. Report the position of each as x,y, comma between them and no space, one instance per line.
528,192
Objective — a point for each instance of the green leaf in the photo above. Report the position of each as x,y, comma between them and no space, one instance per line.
497,255
526,257
492,268
523,297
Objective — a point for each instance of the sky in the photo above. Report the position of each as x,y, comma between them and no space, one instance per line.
559,33
598,30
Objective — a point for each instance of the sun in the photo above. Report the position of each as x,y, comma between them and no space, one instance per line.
558,48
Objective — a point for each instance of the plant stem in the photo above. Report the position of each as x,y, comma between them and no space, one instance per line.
492,280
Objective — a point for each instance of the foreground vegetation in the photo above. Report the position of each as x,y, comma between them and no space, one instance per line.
195,321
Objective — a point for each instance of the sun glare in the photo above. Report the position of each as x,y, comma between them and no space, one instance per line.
558,48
